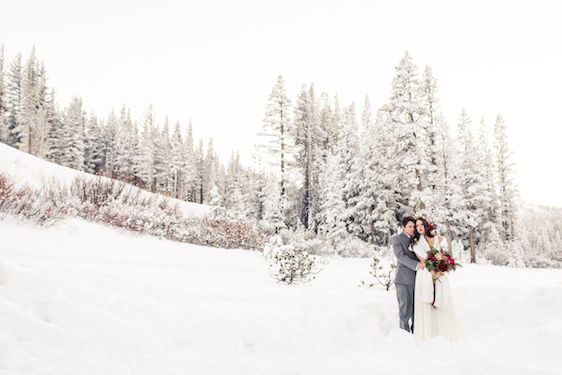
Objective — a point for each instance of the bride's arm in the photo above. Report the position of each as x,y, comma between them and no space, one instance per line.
443,243
419,253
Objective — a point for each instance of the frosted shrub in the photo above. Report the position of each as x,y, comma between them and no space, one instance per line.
351,246
290,262
27,204
292,265
120,205
306,241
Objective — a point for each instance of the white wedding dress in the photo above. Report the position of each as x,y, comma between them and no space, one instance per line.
434,314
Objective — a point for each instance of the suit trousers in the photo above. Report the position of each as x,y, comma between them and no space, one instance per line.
405,294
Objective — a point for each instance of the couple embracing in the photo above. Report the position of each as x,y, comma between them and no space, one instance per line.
424,297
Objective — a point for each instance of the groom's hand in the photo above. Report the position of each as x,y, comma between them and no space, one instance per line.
421,266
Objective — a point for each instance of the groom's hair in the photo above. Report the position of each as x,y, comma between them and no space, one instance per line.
407,219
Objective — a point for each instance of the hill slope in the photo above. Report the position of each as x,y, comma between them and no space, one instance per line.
83,298
28,170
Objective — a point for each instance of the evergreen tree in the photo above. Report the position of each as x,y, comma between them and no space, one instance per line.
73,135
431,159
404,111
109,139
125,145
177,161
30,117
472,184
3,126
348,149
309,139
489,217
200,176
331,216
162,159
190,168
54,138
145,155
93,146
276,146
13,101
506,188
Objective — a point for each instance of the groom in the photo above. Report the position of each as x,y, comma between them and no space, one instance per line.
405,277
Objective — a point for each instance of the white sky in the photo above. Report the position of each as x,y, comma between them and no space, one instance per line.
215,62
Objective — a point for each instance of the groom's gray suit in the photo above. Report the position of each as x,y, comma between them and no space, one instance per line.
405,279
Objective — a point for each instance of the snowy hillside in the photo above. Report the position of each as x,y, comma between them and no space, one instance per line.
28,170
82,298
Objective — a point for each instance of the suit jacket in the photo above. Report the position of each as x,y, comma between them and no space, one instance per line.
407,260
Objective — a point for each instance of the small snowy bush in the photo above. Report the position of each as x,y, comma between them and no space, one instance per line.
290,262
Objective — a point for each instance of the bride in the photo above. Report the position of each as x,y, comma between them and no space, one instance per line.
434,312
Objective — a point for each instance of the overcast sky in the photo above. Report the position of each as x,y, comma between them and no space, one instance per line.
216,62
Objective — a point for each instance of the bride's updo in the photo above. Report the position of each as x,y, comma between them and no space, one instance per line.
429,229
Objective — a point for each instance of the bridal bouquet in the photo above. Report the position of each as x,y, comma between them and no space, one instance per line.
440,261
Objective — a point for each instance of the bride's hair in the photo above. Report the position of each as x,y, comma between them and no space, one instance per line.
428,230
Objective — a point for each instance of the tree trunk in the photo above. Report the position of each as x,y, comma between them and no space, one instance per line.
472,242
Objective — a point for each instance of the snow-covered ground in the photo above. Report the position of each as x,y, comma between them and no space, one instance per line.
28,170
82,298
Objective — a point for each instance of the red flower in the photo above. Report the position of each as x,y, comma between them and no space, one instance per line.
452,261
431,227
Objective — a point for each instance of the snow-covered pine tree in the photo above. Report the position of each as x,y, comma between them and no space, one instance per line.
449,215
74,123
13,101
177,161
43,115
210,172
506,189
216,203
93,146
366,129
276,148
162,159
378,195
125,145
309,138
29,117
489,217
348,149
273,205
328,126
145,155
431,159
255,195
109,138
54,137
238,210
331,216
404,110
364,177
220,172
472,184
177,158
3,126
190,168
200,176
335,128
